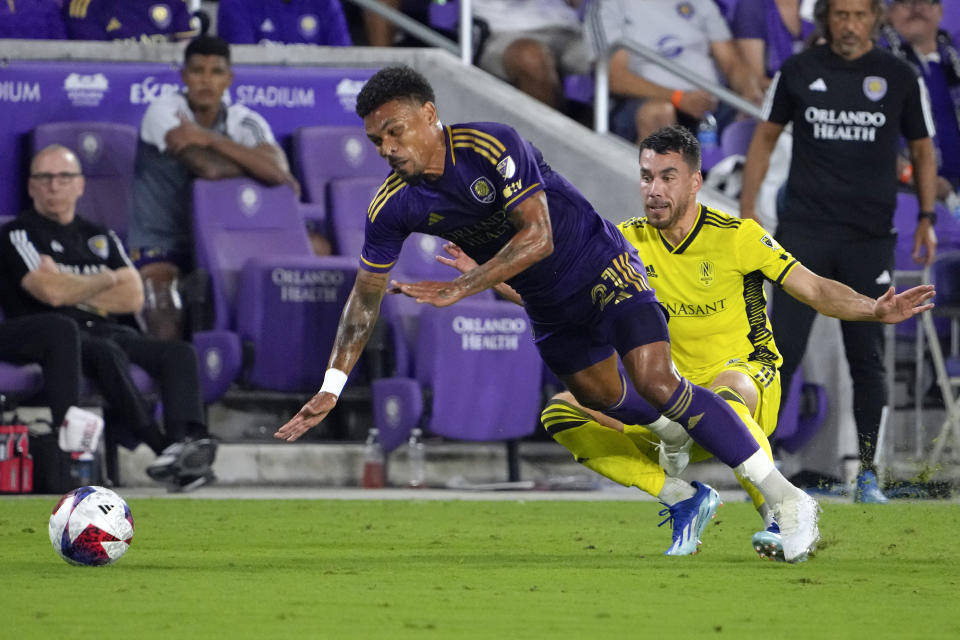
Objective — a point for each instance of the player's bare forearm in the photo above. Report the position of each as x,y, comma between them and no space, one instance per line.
532,243
837,300
755,168
265,162
356,323
209,165
924,161
358,319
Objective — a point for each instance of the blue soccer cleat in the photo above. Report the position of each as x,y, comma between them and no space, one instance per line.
768,544
689,518
868,489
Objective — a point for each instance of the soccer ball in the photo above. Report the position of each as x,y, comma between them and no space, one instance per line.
91,526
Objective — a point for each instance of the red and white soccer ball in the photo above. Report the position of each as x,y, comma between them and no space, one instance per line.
91,526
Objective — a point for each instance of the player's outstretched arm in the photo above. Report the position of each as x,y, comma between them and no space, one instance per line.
460,261
837,300
532,242
356,324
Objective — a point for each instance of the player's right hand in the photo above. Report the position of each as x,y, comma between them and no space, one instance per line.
309,416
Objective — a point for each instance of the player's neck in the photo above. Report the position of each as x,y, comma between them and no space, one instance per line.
205,116
679,230
438,159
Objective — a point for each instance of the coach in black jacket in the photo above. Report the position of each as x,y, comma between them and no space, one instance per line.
849,102
56,262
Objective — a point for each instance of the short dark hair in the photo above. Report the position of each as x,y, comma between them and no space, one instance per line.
822,8
207,46
391,83
674,138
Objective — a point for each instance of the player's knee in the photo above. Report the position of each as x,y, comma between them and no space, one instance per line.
560,415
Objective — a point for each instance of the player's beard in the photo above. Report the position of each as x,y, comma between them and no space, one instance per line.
674,211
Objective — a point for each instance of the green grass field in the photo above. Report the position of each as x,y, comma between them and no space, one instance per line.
429,569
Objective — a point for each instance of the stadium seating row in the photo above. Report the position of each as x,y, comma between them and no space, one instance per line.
276,304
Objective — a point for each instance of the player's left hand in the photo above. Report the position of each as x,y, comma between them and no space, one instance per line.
458,259
893,307
439,294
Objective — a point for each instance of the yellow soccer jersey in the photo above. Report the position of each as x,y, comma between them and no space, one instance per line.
712,287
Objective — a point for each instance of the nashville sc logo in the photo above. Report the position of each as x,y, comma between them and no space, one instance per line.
706,273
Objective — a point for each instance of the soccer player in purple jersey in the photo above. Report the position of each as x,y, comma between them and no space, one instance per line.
484,187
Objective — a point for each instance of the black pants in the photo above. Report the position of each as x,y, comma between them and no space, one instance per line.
108,349
858,264
53,341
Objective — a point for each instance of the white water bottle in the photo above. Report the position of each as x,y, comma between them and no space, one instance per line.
707,132
416,460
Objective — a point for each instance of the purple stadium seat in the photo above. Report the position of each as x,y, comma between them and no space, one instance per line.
20,381
736,137
325,153
951,19
483,373
268,286
804,411
347,214
107,152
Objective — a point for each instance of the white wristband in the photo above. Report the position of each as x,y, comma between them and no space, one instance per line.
334,381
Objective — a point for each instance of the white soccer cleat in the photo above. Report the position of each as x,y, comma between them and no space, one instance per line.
674,458
797,517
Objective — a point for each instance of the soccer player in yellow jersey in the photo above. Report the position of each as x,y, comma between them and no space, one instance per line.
707,269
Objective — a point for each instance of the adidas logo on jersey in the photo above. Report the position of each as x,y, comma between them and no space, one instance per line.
818,85
267,26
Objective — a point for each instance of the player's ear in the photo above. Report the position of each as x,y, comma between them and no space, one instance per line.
429,111
697,181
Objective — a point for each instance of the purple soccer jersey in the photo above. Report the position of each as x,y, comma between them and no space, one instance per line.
488,171
36,19
140,20
318,22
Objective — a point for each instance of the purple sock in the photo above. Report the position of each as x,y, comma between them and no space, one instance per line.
711,423
632,409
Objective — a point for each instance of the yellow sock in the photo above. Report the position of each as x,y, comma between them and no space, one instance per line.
606,451
743,412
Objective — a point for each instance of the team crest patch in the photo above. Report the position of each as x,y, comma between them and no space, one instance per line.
507,168
874,87
482,190
685,10
769,242
160,14
706,273
99,246
308,25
